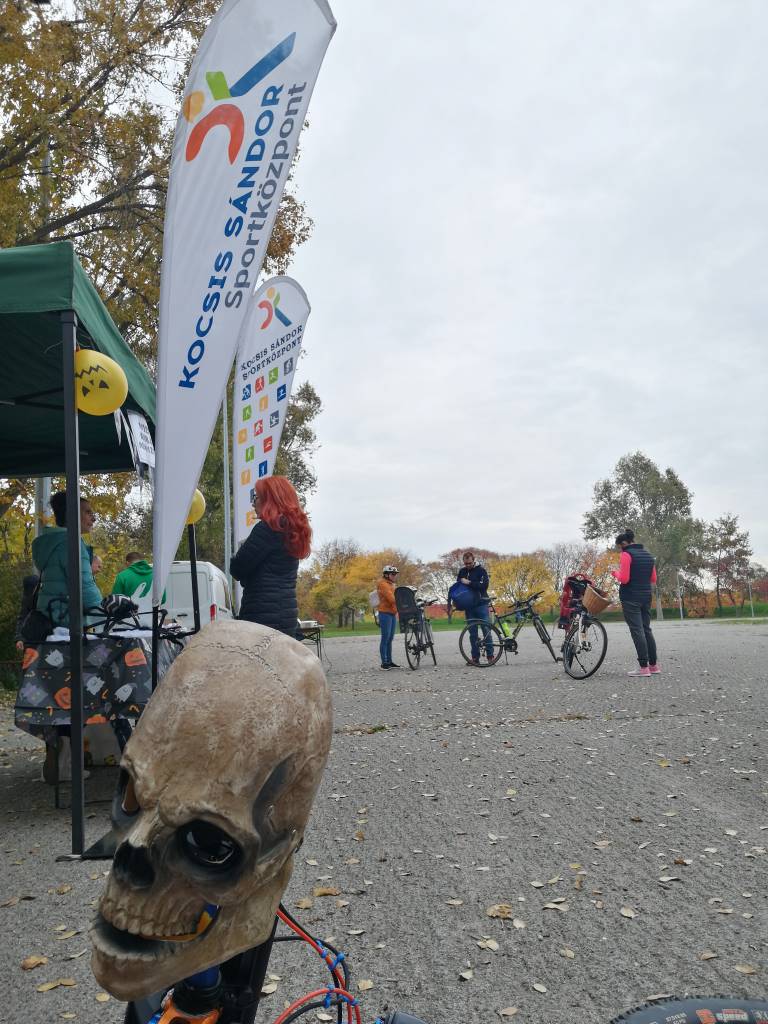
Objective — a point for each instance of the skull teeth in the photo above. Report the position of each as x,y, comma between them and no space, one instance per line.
181,921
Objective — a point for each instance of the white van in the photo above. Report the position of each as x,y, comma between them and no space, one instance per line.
213,589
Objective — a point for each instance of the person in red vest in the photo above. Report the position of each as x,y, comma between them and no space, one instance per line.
637,574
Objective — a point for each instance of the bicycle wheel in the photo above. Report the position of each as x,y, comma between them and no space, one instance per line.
584,650
430,640
412,644
488,639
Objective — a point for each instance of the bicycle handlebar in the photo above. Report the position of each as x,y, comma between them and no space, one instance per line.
528,600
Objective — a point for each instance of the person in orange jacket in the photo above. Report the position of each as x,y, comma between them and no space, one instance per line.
387,614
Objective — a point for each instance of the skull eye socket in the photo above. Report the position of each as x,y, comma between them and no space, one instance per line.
207,846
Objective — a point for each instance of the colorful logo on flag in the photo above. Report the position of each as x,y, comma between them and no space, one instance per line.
229,115
269,305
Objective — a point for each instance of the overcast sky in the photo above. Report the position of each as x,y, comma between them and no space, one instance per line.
540,243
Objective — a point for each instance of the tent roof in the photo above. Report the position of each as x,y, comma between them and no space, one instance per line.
37,283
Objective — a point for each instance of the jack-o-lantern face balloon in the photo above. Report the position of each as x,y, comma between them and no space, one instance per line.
100,383
217,783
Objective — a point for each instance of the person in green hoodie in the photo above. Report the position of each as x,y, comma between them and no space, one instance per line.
135,580
49,553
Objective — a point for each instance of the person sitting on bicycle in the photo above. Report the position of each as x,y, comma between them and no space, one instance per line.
474,576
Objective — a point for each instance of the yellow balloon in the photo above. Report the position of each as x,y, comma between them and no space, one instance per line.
197,508
100,383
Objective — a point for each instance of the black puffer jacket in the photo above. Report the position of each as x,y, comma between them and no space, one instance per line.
268,575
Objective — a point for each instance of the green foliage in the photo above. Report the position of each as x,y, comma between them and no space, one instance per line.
726,556
655,504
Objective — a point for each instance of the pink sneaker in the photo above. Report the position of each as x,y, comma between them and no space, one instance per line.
655,670
640,672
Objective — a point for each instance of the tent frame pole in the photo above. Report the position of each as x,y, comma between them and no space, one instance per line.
193,571
74,573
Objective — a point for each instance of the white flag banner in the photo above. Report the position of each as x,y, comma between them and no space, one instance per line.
267,355
245,104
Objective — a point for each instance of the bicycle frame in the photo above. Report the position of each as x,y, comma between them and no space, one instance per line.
521,615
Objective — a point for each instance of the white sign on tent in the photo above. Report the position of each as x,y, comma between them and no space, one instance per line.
245,103
266,362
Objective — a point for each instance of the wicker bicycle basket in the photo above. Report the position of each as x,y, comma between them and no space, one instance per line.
595,602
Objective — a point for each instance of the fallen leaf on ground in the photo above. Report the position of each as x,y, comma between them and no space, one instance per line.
508,1011
454,903
567,953
364,985
47,986
31,962
68,935
359,836
269,988
518,922
467,975
355,931
538,987
670,878
76,956
500,910
325,890
304,903
745,969
488,944
102,997
601,844
627,912
708,954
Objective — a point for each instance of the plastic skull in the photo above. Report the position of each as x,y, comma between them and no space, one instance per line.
217,784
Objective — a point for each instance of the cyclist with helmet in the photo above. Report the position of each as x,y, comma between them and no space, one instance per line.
387,614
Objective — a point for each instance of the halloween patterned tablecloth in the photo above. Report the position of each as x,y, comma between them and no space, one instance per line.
117,680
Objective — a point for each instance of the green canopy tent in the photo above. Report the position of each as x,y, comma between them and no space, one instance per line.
48,308
37,284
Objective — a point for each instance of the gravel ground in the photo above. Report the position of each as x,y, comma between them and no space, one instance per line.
623,823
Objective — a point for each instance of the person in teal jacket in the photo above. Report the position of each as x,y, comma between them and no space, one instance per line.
49,553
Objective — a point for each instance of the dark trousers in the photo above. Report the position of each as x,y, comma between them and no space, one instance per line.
638,618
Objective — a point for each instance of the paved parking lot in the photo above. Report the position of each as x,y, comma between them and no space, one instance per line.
619,827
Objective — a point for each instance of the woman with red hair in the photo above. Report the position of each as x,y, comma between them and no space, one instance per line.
268,560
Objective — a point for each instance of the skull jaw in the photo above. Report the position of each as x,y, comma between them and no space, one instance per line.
131,970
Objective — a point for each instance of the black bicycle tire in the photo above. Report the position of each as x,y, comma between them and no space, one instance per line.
412,654
465,633
695,1010
430,641
571,632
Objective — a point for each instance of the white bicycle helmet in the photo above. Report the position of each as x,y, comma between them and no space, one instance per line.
389,568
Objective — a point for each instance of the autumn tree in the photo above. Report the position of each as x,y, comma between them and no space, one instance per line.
727,552
344,575
518,576
655,504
